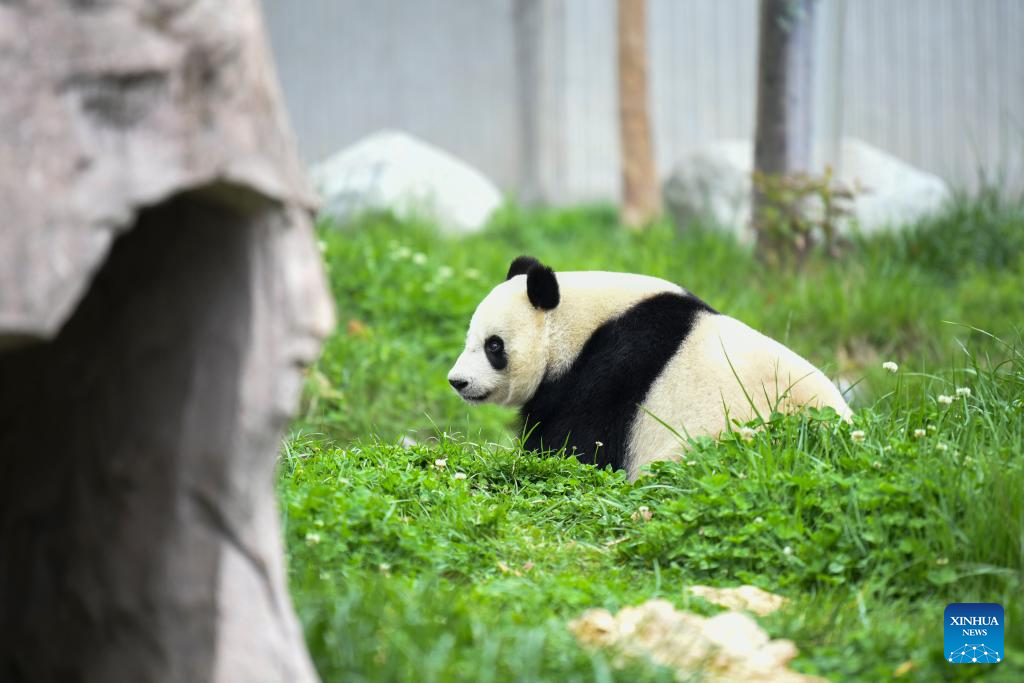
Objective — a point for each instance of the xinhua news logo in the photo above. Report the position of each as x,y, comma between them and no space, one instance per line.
973,633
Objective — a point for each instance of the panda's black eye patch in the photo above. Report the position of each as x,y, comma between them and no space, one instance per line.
494,349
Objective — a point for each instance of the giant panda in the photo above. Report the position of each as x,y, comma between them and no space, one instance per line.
609,365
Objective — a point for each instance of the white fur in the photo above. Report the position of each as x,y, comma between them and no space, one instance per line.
723,371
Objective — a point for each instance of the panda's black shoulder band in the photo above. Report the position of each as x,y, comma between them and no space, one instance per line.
521,266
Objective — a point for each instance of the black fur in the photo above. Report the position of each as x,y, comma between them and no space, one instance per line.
542,287
521,266
598,398
497,356
541,283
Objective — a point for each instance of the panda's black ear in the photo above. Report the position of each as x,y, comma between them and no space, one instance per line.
521,266
542,287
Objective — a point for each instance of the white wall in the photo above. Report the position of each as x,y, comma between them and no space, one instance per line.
938,82
525,89
444,70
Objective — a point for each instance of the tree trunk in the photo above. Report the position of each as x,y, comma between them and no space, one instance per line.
784,103
641,195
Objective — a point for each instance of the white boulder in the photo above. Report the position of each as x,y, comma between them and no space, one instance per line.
391,170
894,193
713,184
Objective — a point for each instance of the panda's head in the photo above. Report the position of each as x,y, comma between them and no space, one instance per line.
506,347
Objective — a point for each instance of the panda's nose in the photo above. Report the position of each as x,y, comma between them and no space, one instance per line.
458,384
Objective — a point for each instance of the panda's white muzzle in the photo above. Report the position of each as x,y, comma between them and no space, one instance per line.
472,377
465,391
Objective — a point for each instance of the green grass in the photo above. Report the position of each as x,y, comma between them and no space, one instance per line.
401,571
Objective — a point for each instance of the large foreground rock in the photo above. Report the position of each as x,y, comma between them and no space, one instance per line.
160,291
393,171
713,184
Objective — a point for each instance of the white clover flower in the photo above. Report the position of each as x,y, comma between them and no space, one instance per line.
472,273
857,435
419,258
460,475
599,444
877,465
968,460
963,391
643,512
758,520
945,400
890,366
691,463
941,447
787,550
919,433
445,272
312,538
932,429
747,433
942,561
441,463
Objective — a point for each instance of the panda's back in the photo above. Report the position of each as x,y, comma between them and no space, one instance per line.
589,300
724,370
607,282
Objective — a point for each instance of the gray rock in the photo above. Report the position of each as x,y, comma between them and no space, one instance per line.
160,291
390,170
713,184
